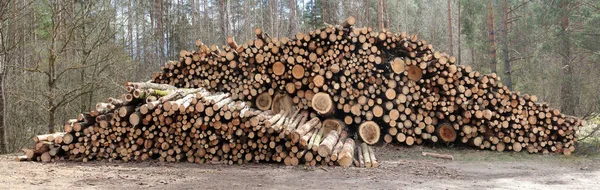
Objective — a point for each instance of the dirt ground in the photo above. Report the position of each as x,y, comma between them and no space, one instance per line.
400,168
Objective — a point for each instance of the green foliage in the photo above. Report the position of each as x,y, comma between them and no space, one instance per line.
313,14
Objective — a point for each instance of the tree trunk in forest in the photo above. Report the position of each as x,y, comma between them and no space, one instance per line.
492,38
566,95
367,12
406,15
143,42
223,17
167,32
3,148
324,10
137,35
399,28
472,55
458,35
507,68
380,14
386,14
130,27
292,22
206,18
3,62
161,37
51,88
450,27
227,15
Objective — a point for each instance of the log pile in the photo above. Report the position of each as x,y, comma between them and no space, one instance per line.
384,86
159,121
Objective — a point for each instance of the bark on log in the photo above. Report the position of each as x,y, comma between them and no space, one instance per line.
347,153
326,147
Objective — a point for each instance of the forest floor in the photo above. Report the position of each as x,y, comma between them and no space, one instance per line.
400,168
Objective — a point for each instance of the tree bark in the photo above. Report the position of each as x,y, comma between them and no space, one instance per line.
450,27
566,95
458,35
386,14
492,38
380,14
507,68
3,61
3,148
130,28
292,22
367,13
160,32
324,10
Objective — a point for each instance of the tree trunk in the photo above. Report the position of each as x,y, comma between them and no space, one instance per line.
292,22
458,35
137,35
323,10
380,14
472,55
566,95
3,148
406,15
51,119
450,27
367,13
386,14
507,69
399,28
492,38
224,17
130,28
160,32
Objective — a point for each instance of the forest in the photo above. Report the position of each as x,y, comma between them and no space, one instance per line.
58,57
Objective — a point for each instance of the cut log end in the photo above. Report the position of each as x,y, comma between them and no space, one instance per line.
350,21
397,65
333,125
264,101
278,68
446,133
414,73
282,102
323,104
369,132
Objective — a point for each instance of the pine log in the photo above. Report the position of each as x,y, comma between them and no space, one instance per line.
346,155
436,155
446,133
365,150
323,104
333,124
339,145
303,129
374,162
361,159
369,132
326,147
264,101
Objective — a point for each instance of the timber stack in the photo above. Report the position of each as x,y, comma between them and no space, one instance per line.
320,98
383,86
159,121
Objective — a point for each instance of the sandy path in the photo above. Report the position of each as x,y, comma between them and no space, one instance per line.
470,170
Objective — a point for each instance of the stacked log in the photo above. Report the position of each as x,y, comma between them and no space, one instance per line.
393,87
158,121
